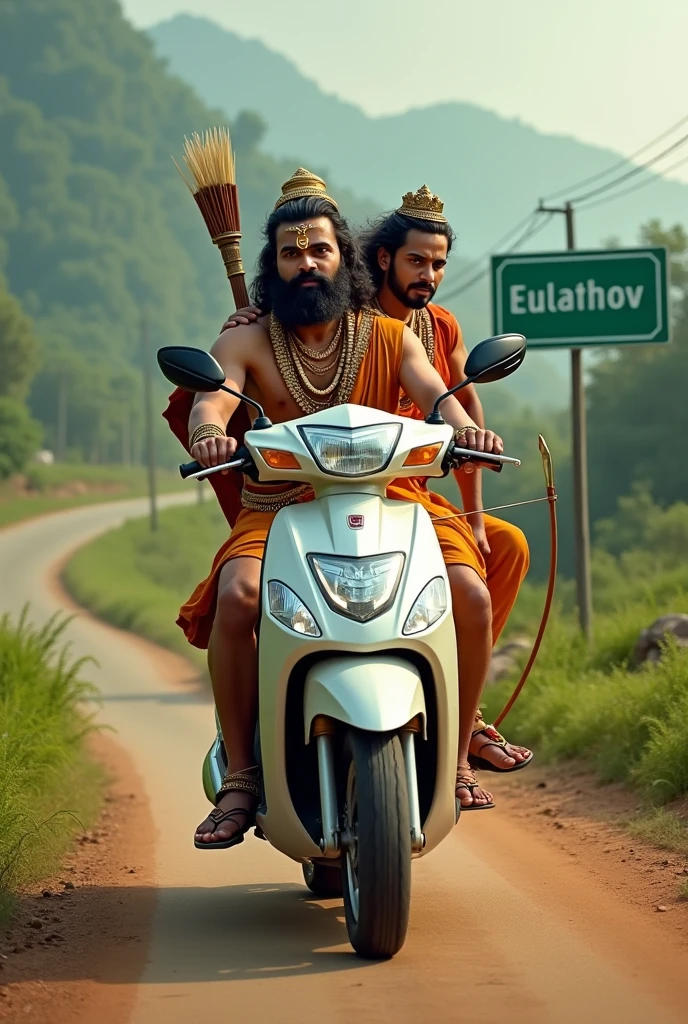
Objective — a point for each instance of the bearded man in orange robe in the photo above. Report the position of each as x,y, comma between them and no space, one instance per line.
406,252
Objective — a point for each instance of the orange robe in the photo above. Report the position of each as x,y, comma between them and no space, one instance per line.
507,564
377,386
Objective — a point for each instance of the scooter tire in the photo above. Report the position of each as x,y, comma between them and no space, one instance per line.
324,880
376,865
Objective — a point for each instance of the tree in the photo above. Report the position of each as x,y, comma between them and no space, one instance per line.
638,414
20,437
18,348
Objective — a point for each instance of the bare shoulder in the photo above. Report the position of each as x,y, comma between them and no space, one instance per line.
237,344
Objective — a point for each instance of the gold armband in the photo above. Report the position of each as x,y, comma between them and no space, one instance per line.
205,431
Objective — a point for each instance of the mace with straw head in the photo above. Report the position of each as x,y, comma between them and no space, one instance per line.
210,160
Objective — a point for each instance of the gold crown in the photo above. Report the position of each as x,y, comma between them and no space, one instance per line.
422,205
302,184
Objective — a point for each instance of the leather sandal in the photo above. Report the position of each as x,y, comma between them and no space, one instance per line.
233,782
492,739
465,779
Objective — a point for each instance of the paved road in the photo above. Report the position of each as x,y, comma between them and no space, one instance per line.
504,929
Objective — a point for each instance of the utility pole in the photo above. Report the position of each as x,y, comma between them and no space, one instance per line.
580,458
148,420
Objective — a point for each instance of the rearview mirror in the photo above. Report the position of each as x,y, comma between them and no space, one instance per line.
495,358
191,369
492,359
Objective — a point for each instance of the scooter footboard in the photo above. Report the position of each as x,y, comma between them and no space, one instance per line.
378,694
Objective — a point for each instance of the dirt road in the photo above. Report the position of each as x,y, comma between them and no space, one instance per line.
504,928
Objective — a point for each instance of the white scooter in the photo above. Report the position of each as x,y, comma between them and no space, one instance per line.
358,682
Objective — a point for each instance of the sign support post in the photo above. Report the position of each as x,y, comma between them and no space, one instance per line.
580,460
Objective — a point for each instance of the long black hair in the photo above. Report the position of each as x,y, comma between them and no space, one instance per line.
390,232
301,211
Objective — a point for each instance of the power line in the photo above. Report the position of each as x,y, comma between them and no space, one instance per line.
631,174
634,188
500,241
618,165
535,227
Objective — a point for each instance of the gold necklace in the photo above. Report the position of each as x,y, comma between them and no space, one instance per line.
357,331
308,384
420,322
314,353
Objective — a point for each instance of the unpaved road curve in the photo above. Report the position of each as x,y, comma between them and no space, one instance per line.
503,927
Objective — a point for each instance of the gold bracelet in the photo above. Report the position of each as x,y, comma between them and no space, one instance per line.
204,431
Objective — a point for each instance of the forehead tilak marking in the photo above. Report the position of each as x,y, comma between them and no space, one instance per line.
302,239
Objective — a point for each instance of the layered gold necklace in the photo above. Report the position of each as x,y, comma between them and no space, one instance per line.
293,359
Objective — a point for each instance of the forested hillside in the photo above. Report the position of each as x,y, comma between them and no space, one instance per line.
95,224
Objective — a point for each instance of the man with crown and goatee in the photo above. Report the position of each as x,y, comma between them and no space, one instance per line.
406,252
317,344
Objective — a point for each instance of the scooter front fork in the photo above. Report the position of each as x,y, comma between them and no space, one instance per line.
323,732
331,842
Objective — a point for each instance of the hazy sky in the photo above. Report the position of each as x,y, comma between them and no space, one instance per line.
607,71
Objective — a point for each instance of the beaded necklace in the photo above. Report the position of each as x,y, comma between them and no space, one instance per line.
356,332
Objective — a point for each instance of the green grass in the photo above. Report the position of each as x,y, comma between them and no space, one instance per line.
49,787
138,580
53,488
663,829
580,702
583,702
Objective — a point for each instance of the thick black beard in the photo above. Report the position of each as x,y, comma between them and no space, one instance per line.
296,306
402,295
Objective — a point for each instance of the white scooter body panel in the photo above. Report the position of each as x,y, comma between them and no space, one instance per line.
325,527
384,693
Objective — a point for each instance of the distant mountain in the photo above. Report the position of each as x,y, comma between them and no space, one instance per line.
489,170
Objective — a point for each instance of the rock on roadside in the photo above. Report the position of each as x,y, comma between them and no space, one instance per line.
650,642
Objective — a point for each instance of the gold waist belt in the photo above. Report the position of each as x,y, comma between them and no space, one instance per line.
254,501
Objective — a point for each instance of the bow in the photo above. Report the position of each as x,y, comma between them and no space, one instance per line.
552,500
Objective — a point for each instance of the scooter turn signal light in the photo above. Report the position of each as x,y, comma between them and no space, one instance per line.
279,460
423,456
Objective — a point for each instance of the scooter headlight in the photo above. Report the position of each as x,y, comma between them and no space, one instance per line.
352,451
430,604
360,588
290,610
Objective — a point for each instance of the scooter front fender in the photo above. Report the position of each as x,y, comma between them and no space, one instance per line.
378,694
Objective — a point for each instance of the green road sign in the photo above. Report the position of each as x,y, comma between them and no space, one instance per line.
570,299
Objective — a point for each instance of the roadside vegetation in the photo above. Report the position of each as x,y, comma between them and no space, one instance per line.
138,580
42,488
49,787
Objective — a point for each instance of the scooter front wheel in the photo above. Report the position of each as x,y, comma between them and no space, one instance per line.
376,864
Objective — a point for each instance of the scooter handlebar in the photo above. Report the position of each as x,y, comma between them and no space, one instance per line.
486,460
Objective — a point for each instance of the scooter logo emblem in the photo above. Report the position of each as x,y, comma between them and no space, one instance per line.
355,522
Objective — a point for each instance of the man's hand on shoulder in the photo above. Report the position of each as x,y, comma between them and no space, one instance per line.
242,317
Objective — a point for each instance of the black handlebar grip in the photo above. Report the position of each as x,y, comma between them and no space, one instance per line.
189,468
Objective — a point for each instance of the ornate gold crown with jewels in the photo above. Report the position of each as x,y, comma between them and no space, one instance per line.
422,205
304,183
